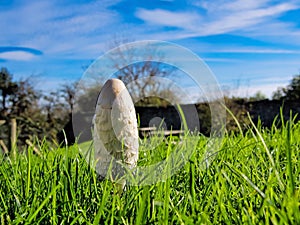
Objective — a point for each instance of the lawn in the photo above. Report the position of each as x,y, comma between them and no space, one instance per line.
254,179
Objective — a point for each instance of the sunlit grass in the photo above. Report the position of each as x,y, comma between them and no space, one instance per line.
254,179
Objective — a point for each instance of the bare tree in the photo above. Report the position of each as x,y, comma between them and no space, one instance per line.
140,77
68,92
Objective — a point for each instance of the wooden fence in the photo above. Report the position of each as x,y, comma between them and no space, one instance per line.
11,136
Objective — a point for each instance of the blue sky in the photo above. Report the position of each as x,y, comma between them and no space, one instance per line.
250,45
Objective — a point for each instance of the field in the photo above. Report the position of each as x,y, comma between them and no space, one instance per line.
254,179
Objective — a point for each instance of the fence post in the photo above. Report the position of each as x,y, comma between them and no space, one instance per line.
2,144
13,136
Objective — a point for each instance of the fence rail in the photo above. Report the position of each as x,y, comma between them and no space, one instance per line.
149,131
2,122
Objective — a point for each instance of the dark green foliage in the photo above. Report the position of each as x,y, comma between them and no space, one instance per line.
293,89
291,92
35,118
7,88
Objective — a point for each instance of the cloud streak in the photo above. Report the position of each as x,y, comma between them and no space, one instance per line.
182,20
220,17
23,49
18,53
255,51
56,28
17,56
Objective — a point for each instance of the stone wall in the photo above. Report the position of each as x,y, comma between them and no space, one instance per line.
169,117
267,110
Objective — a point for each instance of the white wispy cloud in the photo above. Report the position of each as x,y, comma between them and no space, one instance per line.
229,5
56,28
238,20
256,50
223,60
250,86
17,56
265,85
248,91
183,20
220,17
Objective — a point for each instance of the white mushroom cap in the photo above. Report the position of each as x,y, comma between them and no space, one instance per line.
109,92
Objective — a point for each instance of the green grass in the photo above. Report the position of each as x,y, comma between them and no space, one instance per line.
254,179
